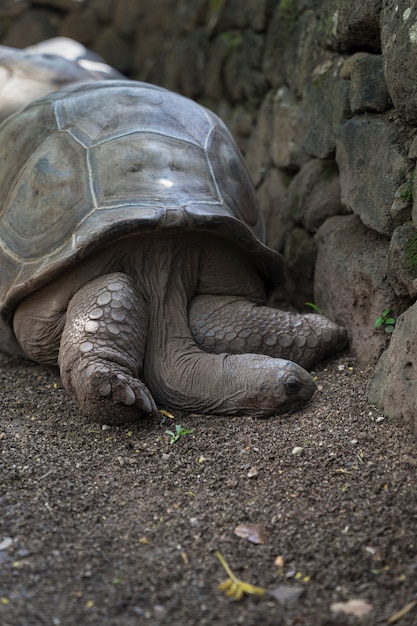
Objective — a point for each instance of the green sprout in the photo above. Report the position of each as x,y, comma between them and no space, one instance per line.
179,432
313,306
385,321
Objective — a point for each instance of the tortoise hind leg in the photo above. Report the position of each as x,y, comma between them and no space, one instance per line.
101,350
236,325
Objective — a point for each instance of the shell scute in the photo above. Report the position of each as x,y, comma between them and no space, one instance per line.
237,192
18,142
150,170
140,108
55,175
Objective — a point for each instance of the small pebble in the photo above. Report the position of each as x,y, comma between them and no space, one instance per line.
6,543
297,450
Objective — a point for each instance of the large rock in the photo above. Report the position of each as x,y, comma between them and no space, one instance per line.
272,195
288,131
110,45
325,106
352,25
368,89
371,153
32,27
350,282
393,386
225,16
10,9
242,79
402,261
300,253
314,194
399,49
292,45
259,144
82,25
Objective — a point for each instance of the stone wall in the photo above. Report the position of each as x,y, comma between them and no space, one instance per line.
321,97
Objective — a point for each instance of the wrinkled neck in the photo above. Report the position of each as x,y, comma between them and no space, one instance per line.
166,272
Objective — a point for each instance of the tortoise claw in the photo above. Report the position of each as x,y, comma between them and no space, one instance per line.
112,397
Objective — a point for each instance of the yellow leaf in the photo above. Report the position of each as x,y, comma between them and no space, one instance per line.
235,588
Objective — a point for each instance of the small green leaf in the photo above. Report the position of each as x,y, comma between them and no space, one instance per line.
315,308
179,432
384,320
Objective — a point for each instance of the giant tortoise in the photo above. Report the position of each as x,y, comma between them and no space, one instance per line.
132,255
30,73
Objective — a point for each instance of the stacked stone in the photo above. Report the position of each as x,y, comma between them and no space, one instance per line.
321,98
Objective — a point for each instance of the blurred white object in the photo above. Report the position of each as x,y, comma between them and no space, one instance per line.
30,73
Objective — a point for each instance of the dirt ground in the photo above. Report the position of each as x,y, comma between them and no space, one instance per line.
118,526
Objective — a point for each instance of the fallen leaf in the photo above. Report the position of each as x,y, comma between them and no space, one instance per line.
233,587
355,606
286,594
254,533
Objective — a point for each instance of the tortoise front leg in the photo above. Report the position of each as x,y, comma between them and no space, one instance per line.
102,348
235,325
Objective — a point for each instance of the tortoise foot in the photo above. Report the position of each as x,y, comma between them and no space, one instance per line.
101,350
108,395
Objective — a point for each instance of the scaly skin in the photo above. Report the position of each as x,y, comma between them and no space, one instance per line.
120,325
230,324
102,348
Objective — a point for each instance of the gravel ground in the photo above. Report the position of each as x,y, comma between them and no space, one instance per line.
118,526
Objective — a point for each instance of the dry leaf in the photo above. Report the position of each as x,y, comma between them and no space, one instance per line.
356,607
255,533
233,587
287,594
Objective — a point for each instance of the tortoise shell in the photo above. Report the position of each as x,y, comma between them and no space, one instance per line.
95,162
